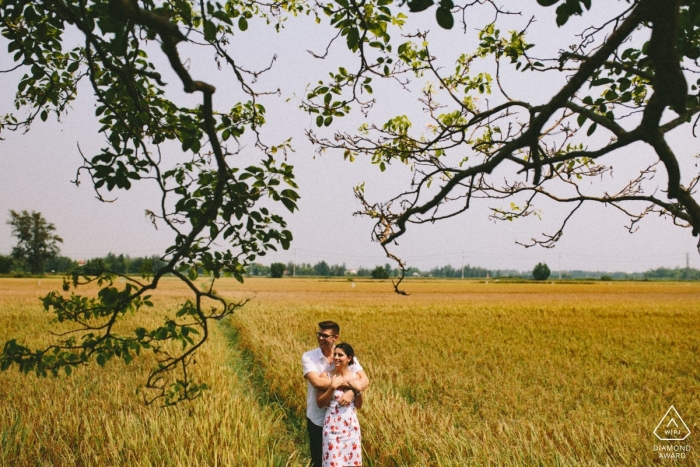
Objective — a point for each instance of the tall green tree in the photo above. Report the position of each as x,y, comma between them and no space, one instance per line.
380,272
36,241
322,269
207,197
277,270
541,272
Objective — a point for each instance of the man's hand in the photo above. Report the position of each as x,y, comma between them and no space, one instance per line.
355,385
346,398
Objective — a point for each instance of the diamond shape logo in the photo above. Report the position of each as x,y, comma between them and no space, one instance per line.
672,427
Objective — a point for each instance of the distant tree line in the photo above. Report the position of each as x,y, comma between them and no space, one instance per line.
125,264
302,269
56,264
323,269
677,274
121,264
449,271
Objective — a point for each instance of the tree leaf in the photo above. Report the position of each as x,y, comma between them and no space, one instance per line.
353,38
416,6
444,18
209,31
591,129
289,204
581,119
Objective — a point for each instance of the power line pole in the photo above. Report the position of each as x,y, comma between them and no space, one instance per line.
462,265
294,264
559,266
687,260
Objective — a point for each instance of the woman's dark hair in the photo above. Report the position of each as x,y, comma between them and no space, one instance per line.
347,348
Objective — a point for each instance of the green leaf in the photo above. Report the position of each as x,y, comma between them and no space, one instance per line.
591,129
444,18
289,204
562,19
353,38
209,31
581,119
192,274
547,2
416,6
242,23
319,121
611,95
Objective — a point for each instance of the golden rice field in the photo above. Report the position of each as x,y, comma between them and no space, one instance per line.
463,373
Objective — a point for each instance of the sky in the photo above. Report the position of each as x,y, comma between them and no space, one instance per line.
36,170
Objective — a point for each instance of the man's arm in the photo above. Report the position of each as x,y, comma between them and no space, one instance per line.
363,380
357,385
318,381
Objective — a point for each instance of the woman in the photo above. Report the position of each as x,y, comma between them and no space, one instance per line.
341,430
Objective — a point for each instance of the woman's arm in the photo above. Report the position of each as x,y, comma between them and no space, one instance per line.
324,396
358,401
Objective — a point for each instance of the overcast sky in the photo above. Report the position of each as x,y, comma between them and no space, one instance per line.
36,169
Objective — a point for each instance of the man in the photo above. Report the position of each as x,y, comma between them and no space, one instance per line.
315,363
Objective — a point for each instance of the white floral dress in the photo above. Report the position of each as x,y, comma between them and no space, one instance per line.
341,434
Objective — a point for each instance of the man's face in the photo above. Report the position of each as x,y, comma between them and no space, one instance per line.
326,338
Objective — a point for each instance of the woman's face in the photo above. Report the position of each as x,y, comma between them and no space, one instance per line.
340,359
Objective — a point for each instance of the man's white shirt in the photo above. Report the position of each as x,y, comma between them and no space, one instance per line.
315,361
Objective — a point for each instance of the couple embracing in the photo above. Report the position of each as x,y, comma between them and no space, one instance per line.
335,381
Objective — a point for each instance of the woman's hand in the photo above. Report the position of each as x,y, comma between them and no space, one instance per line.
337,381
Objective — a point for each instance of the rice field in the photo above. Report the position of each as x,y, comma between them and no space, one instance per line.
463,373
96,417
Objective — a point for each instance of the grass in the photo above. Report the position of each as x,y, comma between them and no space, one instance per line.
96,418
463,373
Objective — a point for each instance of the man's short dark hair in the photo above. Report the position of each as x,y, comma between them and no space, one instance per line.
329,325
